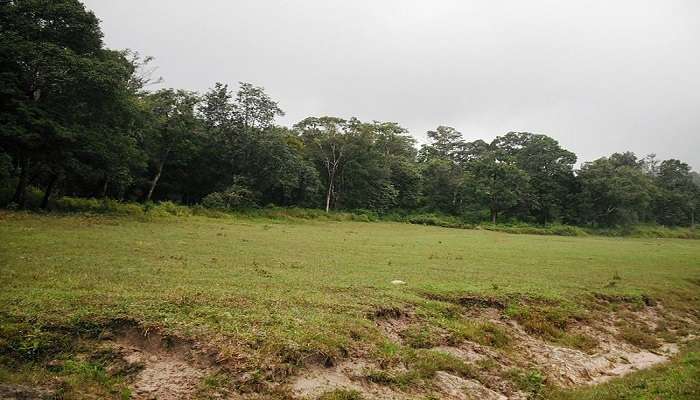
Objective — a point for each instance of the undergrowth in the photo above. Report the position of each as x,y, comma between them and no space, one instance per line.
168,208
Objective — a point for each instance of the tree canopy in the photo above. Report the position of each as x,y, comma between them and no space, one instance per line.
79,119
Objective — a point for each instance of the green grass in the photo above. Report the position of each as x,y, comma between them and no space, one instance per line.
287,290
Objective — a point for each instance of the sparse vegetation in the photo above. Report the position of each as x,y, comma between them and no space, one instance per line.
678,380
639,337
341,395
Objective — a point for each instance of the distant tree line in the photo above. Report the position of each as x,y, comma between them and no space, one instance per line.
77,119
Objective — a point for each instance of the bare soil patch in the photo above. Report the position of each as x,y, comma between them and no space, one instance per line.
558,365
165,367
22,392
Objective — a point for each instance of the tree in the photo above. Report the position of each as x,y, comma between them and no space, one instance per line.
254,108
548,166
615,190
444,185
676,198
498,182
171,132
52,64
446,143
63,94
326,141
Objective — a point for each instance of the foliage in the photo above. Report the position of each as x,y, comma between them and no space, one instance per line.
77,120
236,197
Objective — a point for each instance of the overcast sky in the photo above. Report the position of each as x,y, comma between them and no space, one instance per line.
599,76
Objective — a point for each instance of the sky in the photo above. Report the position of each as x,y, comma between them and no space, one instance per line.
598,76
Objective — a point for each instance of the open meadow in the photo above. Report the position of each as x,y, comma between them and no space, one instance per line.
224,307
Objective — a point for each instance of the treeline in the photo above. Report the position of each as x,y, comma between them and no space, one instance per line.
77,119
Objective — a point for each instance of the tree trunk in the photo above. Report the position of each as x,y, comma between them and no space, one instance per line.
328,196
21,192
47,193
331,179
154,182
494,213
104,187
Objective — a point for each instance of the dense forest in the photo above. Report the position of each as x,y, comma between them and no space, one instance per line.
78,119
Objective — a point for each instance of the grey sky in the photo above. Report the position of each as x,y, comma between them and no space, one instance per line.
599,76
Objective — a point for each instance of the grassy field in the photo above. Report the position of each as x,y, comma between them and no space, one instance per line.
273,294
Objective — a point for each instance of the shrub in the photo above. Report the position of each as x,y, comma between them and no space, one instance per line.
236,197
7,181
436,220
104,206
170,208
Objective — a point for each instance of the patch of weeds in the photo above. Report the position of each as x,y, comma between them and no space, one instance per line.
421,337
484,333
387,313
487,364
422,365
467,300
450,311
535,322
578,341
116,365
639,337
341,394
663,331
90,378
383,377
426,363
547,321
213,386
388,353
27,342
648,300
528,381
86,370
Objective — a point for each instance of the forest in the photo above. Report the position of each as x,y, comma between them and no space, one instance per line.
78,119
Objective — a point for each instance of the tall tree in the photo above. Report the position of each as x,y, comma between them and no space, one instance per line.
171,134
254,108
326,141
548,166
498,182
677,195
615,190
446,143
56,80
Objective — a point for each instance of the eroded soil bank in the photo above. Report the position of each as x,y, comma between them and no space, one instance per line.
518,370
505,358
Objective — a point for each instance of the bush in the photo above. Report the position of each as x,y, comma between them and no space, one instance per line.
170,208
104,206
7,181
437,220
33,197
236,197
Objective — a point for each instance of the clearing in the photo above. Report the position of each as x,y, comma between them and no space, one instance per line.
241,308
